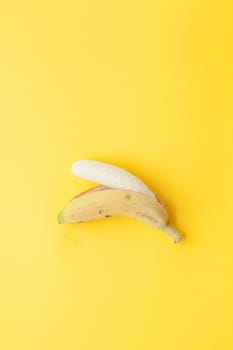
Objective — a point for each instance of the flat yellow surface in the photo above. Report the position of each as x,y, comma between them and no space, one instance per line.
146,85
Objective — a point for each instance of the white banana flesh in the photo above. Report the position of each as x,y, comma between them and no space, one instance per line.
109,175
122,195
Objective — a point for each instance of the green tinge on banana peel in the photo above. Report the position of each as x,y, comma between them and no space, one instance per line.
102,202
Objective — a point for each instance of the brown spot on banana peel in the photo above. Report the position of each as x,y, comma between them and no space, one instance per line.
113,202
144,215
160,201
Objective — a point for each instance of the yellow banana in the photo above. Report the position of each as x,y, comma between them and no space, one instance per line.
101,202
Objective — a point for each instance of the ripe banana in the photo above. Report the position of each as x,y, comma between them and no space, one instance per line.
121,194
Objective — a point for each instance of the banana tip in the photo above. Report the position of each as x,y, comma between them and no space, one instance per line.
173,233
179,240
60,219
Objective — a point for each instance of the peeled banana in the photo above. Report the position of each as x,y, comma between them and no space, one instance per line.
121,194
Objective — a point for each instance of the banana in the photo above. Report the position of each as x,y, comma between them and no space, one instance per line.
121,194
109,175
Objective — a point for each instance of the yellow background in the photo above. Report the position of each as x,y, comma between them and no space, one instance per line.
146,85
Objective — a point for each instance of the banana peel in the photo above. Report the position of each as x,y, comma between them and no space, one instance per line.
131,198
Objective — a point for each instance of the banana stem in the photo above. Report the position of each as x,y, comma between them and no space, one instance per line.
173,233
